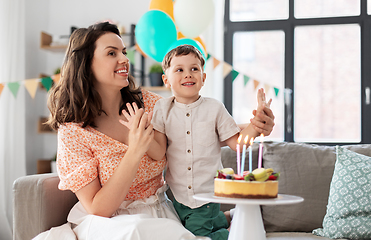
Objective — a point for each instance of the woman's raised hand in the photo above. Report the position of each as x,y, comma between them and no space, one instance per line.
141,130
129,116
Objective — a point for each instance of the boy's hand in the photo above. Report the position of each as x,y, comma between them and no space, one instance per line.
261,99
263,120
133,110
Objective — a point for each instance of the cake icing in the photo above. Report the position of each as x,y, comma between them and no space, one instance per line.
261,183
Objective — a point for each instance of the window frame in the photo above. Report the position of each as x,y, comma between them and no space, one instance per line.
288,26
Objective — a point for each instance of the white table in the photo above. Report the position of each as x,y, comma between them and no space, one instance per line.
247,220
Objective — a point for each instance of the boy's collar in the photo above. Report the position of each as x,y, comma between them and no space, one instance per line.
189,106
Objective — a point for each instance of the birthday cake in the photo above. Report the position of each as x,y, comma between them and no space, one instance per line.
259,184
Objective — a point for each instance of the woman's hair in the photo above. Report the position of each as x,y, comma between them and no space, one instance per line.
182,50
74,98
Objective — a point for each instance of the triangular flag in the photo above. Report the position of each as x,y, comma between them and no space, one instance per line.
234,74
227,68
14,87
1,87
256,84
47,82
31,86
208,56
267,88
245,79
216,62
276,90
56,77
131,55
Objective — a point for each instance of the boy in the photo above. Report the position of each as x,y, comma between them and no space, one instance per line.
193,129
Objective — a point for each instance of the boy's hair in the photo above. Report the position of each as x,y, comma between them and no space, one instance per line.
179,51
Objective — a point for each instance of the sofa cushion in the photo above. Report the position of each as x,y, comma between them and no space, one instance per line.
306,171
294,236
349,204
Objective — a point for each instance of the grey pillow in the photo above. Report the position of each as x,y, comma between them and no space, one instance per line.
306,171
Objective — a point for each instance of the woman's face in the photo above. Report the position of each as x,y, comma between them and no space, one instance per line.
110,65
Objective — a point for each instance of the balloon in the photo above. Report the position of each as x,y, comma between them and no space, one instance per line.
189,42
155,32
140,50
166,6
193,16
198,39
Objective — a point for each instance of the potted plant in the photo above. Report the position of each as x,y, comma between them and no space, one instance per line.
155,75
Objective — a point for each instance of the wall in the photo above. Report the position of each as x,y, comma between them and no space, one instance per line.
56,18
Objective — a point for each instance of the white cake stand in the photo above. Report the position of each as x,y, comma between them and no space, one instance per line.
247,219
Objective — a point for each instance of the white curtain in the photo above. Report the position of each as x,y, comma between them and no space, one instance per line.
12,109
213,37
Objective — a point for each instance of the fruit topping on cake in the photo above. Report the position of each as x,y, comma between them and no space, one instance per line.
259,174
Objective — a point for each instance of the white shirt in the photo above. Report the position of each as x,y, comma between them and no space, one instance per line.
194,132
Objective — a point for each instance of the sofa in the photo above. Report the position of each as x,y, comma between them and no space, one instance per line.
306,171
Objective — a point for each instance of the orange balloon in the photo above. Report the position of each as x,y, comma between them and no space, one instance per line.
180,35
198,39
166,6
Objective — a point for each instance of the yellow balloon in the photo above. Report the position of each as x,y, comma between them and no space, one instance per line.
166,6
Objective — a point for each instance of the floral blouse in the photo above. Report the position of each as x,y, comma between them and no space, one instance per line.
86,153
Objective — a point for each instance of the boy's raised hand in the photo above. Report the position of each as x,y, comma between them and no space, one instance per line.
263,120
262,100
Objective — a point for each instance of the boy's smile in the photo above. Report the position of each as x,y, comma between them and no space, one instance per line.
185,77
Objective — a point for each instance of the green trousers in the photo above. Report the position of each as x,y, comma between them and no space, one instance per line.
206,220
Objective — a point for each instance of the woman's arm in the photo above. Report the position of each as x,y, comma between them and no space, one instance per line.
104,201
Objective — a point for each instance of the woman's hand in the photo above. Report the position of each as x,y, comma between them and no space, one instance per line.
129,116
141,131
157,148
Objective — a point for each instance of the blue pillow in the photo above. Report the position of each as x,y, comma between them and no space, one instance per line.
348,212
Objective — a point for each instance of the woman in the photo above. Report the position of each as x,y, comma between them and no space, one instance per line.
120,189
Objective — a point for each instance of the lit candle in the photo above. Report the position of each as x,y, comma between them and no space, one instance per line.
250,154
243,155
260,151
238,154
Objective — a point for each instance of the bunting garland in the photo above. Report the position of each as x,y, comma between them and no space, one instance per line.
31,85
1,87
227,69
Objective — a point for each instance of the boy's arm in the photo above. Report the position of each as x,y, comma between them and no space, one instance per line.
157,148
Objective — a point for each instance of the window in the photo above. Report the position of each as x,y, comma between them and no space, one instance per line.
312,57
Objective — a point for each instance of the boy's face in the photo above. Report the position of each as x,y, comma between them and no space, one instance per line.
185,77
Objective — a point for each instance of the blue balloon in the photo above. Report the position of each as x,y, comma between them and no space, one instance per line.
187,41
154,33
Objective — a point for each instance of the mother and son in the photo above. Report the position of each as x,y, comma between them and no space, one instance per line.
115,141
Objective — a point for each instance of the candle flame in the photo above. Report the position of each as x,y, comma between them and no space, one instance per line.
261,137
246,138
251,141
239,139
